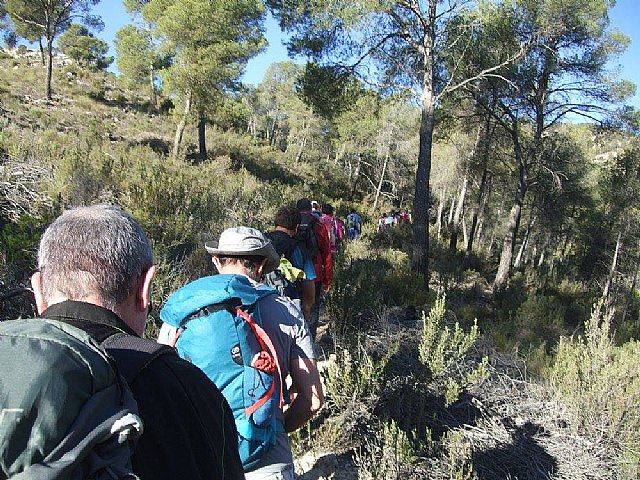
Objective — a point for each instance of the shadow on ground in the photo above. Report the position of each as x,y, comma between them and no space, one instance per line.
331,466
522,458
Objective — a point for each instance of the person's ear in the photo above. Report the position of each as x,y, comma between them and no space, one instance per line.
216,263
38,293
143,293
260,268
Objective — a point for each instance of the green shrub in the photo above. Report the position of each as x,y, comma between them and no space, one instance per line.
389,456
97,90
355,376
364,280
539,319
442,350
19,242
600,384
355,292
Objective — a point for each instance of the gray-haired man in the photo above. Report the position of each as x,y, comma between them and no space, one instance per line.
95,273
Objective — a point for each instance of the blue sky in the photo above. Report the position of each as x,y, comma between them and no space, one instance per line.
625,16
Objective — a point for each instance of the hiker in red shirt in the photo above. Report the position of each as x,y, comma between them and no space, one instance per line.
330,224
315,237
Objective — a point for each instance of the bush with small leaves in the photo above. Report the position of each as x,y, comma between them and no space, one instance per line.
443,350
600,384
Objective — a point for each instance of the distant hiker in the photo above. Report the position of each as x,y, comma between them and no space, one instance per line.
248,340
404,216
330,224
316,238
354,225
95,274
382,224
315,209
388,221
301,291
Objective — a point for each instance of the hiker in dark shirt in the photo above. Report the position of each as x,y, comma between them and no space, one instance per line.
95,273
283,238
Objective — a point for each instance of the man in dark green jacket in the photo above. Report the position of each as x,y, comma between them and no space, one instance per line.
95,273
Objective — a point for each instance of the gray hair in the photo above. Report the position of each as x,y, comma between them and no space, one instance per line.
93,251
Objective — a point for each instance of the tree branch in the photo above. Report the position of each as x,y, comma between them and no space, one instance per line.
519,54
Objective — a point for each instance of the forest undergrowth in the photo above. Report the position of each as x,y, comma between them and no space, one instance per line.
417,391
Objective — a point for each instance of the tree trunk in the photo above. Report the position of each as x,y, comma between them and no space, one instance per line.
481,199
340,153
508,244
452,208
49,67
303,144
271,133
443,196
614,266
152,97
525,243
465,234
537,264
477,211
202,136
541,257
421,199
455,225
479,231
181,126
384,169
355,177
492,243
43,59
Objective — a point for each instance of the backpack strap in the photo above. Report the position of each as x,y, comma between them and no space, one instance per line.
126,349
230,305
266,345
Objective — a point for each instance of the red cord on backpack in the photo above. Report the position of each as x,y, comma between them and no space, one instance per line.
266,361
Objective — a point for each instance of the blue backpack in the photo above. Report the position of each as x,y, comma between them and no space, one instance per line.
221,333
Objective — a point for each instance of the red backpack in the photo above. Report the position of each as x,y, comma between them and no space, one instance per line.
330,227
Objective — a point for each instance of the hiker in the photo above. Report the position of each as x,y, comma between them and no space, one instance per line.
283,238
354,225
382,224
316,239
389,220
95,273
249,339
315,209
330,224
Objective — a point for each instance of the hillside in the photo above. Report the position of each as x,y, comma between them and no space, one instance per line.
414,388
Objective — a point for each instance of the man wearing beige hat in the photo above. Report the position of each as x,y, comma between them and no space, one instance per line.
216,321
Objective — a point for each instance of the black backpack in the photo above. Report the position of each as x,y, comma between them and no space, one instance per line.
66,413
307,235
